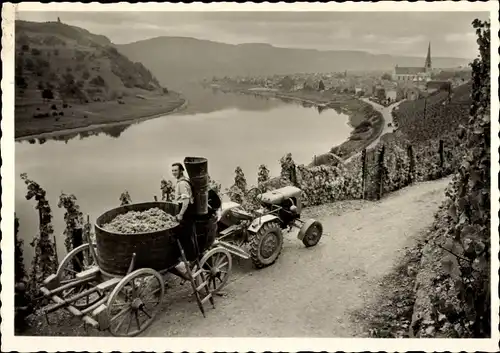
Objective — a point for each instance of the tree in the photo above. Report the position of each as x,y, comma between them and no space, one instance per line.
98,81
321,86
287,83
387,77
47,94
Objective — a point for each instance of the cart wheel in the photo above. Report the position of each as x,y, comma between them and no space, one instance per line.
134,302
78,260
216,265
311,233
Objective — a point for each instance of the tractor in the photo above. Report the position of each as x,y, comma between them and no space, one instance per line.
258,233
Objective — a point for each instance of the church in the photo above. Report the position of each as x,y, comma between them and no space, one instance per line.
414,74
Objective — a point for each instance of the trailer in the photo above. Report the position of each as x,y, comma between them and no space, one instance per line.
116,283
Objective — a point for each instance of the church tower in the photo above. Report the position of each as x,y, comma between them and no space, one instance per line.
428,62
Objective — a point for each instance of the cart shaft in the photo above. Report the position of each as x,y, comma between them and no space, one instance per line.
72,309
66,302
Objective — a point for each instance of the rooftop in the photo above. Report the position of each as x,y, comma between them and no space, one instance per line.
409,70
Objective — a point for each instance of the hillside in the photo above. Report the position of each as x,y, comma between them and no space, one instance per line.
67,77
178,60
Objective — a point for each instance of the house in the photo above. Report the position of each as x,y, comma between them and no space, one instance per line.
391,94
379,92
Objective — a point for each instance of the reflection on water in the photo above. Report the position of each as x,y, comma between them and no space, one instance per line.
230,130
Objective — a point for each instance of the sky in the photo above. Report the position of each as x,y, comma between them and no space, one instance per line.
396,33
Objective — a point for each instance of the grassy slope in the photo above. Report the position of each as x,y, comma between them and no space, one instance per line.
91,82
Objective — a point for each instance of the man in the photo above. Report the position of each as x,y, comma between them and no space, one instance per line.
183,194
184,197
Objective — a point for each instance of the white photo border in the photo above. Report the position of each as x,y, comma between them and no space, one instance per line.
27,344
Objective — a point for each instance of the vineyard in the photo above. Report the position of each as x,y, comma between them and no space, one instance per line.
428,118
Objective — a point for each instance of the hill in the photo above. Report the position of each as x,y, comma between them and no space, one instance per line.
179,60
67,77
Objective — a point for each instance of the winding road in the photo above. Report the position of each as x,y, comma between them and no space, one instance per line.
386,113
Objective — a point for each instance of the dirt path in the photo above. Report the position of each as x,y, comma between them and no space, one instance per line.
311,292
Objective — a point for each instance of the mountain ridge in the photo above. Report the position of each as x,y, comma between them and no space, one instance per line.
178,60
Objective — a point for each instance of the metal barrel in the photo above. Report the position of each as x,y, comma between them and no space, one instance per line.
197,169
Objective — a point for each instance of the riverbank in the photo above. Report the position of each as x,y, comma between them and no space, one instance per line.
367,122
85,117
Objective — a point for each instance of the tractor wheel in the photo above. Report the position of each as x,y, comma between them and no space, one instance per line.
311,233
266,245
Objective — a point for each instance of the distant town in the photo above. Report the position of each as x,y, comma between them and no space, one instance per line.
409,83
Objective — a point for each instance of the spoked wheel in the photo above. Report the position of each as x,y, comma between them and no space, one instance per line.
266,245
135,301
78,260
311,233
216,265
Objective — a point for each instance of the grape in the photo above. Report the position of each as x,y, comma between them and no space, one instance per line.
134,222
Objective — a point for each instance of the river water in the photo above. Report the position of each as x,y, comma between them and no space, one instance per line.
230,130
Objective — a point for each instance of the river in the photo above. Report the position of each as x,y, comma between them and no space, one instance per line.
230,130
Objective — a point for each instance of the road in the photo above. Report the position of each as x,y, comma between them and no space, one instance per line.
386,113
311,292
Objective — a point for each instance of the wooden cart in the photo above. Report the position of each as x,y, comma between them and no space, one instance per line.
117,283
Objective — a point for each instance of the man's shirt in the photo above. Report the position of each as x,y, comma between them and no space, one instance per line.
183,190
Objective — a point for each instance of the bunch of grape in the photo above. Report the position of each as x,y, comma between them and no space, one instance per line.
134,222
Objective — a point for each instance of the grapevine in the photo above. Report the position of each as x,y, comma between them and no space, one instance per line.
20,271
73,218
45,260
125,198
167,190
238,190
263,175
461,299
214,185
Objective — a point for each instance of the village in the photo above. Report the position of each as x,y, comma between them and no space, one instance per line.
385,88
